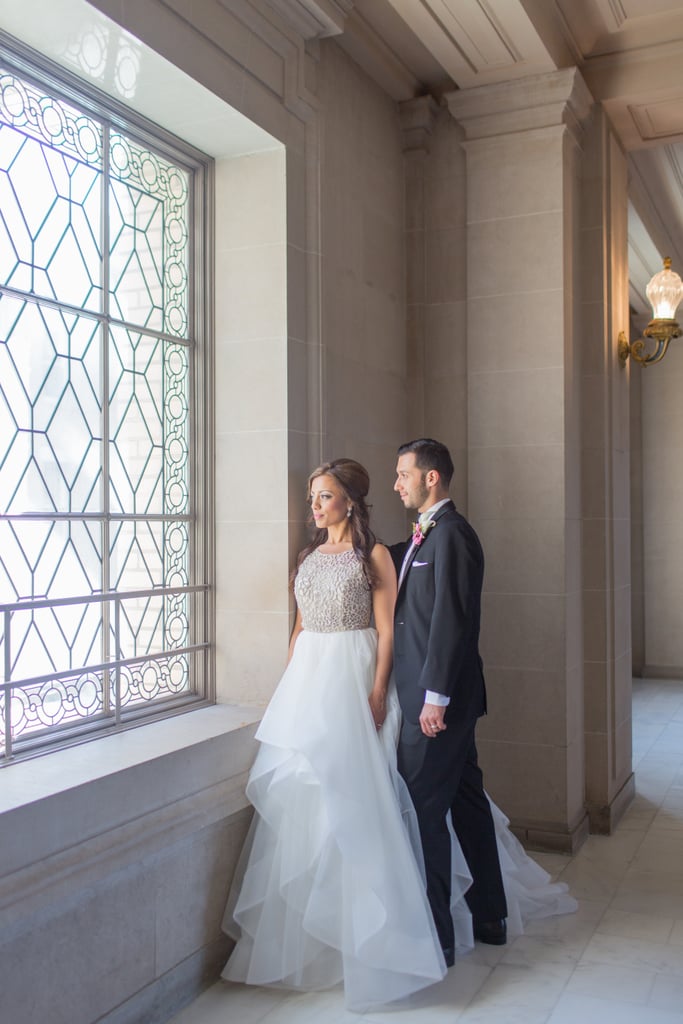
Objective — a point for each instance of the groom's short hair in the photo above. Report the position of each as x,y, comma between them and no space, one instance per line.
430,454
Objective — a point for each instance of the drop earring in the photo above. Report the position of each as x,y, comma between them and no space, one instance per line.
348,513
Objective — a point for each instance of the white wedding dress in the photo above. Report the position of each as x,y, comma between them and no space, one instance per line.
329,887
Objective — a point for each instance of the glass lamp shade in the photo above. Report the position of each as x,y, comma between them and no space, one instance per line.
664,292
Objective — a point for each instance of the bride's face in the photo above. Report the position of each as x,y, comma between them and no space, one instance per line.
328,502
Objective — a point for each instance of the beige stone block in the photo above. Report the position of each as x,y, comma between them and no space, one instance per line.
592,269
514,176
251,476
303,401
383,259
414,202
459,486
594,410
251,650
623,755
576,783
341,226
298,290
597,697
623,689
523,556
594,480
573,544
516,332
662,482
597,768
574,632
529,781
446,264
445,334
251,577
192,884
445,409
515,256
596,605
67,940
594,555
621,544
251,385
518,407
519,482
574,704
251,293
621,481
364,402
415,268
343,313
250,200
541,695
598,351
381,341
444,202
523,631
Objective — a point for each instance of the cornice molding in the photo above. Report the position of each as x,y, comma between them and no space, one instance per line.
547,100
313,19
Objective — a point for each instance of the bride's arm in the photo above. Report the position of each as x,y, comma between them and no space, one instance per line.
383,600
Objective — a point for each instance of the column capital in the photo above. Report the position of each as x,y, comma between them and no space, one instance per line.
314,19
417,118
552,99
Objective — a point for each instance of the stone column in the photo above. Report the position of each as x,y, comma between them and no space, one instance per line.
523,145
605,479
417,122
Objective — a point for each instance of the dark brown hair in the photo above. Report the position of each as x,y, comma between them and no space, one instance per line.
430,454
354,481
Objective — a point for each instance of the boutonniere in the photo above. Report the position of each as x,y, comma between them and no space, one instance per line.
420,531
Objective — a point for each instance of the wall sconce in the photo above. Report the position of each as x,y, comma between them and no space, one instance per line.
664,292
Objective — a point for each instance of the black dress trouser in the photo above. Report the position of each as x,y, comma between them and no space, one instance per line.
442,775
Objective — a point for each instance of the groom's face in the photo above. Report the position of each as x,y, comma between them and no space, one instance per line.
410,483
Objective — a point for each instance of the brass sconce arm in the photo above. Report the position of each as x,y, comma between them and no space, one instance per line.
660,331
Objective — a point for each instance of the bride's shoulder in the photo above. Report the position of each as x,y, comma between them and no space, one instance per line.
380,553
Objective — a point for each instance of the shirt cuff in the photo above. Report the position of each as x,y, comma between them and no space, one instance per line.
437,698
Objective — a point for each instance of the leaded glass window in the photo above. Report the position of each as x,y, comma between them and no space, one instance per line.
102,588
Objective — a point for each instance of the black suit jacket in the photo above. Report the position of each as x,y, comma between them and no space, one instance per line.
437,616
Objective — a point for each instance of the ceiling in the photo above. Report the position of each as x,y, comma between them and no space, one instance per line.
630,53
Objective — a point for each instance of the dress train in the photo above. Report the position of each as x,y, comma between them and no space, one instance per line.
330,883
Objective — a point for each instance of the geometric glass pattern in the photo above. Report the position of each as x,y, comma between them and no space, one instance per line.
102,606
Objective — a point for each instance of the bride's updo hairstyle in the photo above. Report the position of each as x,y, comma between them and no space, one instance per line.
354,481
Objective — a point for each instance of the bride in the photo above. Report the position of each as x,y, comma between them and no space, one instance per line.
330,886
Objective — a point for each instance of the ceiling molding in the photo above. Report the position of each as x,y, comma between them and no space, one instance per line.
477,41
313,19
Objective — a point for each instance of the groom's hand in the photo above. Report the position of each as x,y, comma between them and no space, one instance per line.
431,720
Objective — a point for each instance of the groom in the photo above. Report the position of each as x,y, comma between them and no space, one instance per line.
440,686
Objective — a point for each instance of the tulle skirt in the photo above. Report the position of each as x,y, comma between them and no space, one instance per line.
330,885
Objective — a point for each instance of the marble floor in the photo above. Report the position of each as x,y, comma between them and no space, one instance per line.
619,959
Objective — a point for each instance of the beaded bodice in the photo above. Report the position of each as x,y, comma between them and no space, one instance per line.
332,593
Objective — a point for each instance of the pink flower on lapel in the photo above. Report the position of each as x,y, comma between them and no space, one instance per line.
419,532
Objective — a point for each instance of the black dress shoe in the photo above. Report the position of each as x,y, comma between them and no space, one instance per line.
449,956
493,933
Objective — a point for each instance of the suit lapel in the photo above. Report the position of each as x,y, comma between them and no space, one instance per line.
411,557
